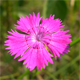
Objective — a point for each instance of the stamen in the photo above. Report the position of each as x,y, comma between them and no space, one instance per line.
51,33
39,36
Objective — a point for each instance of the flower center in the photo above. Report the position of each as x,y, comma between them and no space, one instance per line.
39,36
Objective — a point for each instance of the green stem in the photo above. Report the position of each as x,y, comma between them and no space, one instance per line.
25,73
44,8
36,73
74,42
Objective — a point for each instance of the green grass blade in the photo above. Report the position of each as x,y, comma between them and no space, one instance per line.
66,66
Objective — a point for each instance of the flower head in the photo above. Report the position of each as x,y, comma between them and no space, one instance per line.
31,46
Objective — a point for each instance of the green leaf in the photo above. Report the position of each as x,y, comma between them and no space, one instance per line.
75,41
57,7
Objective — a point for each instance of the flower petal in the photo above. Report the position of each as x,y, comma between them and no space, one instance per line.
17,43
29,24
36,56
51,24
57,43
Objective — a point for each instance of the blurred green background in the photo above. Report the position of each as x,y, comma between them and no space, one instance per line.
66,68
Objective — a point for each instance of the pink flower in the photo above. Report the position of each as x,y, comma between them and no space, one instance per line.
31,45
